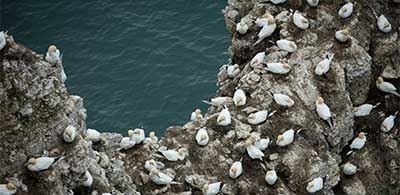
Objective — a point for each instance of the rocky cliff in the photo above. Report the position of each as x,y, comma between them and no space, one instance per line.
36,108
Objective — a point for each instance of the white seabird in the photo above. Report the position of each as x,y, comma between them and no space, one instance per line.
126,143
173,155
388,123
252,151
211,189
300,21
88,180
40,164
202,137
323,66
277,1
285,138
386,87
233,70
364,110
278,68
384,24
93,135
137,135
323,111
53,54
224,117
236,170
286,45
3,40
152,139
161,178
342,35
258,58
346,10
262,144
359,141
150,164
239,97
69,134
196,115
349,169
267,30
313,3
283,100
217,101
257,117
241,28
271,177
8,189
315,185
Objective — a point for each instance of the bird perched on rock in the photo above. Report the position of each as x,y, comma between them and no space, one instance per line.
160,178
342,35
323,66
173,155
258,58
283,100
196,115
262,144
126,143
384,24
69,134
224,117
315,185
239,97
271,177
252,151
286,45
257,117
267,30
217,101
388,123
364,110
323,111
3,40
278,68
52,55
92,135
233,70
274,1
236,169
349,169
211,189
300,21
313,3
359,141
8,189
346,10
202,137
137,135
386,87
41,163
87,180
242,28
285,138
150,164
152,139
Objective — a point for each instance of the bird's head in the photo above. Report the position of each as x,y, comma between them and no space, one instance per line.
248,142
52,49
280,138
286,66
320,100
221,118
361,135
380,80
236,66
205,187
31,161
182,151
152,134
130,133
11,186
345,32
153,170
252,116
270,19
197,111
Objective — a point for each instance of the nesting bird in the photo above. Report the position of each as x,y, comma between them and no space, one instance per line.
239,97
53,54
127,143
160,178
300,21
388,123
342,35
271,177
286,45
349,169
258,58
93,135
153,139
173,155
278,68
313,3
69,134
217,101
257,117
40,164
324,66
323,111
150,164
88,180
384,24
346,10
359,141
202,137
262,144
242,28
224,117
285,138
8,189
138,135
3,40
267,29
252,151
364,110
211,189
233,70
196,115
283,100
315,185
236,170
386,87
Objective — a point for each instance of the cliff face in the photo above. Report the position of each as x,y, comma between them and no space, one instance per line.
35,109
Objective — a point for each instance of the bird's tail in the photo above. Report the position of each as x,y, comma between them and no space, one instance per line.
330,122
395,93
272,113
206,102
376,105
258,41
176,183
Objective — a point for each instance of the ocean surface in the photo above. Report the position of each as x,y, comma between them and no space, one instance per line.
136,63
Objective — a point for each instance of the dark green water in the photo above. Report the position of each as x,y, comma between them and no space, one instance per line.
136,63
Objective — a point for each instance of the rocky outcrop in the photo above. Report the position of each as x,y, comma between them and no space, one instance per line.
36,108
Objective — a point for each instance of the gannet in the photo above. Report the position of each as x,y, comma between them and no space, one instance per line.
271,177
384,24
196,115
242,28
277,1
236,170
161,178
285,138
40,164
258,58
53,54
218,101
286,45
92,135
262,144
388,123
8,189
257,117
173,155
137,135
323,111
315,185
342,35
3,40
260,22
278,68
152,139
88,179
349,169
233,70
300,21
69,134
63,75
202,137
346,10
224,117
150,164
239,97
313,3
267,29
252,151
126,143
364,110
386,87
359,141
283,100
323,66
211,189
